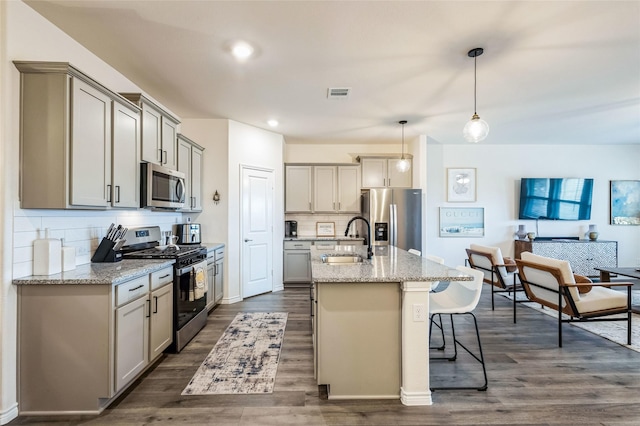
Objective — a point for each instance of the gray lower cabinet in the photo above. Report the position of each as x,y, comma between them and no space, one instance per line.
132,325
82,345
161,315
297,262
215,276
218,284
211,277
297,258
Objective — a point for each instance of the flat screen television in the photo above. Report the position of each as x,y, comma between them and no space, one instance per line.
555,198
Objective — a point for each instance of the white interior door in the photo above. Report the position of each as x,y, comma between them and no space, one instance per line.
257,231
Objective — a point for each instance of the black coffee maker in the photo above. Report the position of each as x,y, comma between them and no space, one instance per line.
290,229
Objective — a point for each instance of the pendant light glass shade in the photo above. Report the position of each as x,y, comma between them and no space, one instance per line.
403,165
476,129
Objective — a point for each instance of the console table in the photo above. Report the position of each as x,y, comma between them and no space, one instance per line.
584,256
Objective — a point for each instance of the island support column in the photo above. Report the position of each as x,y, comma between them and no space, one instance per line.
415,344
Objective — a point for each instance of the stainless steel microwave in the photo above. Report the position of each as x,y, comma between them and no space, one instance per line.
161,188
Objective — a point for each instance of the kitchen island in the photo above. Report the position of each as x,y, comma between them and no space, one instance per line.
371,322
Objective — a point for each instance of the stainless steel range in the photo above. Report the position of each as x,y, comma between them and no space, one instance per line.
189,279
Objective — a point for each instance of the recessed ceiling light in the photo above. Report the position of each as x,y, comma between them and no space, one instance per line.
241,50
273,123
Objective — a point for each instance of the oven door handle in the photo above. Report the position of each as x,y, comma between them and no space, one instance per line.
186,270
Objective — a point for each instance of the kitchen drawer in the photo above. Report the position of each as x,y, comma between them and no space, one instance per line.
297,245
161,277
219,253
325,245
131,290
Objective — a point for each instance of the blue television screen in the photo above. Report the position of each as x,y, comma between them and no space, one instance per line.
555,199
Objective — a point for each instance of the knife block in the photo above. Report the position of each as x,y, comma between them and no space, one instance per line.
106,253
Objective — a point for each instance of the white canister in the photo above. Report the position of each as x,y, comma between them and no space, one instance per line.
68,258
47,255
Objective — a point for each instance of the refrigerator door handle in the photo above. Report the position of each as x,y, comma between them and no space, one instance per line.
393,237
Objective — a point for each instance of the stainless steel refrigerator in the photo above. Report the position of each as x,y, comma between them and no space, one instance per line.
395,216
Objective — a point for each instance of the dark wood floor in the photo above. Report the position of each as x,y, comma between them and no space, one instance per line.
590,381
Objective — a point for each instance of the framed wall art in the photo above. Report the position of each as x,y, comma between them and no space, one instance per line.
461,185
461,221
625,202
325,229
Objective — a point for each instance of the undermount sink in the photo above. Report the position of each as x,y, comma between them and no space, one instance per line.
341,260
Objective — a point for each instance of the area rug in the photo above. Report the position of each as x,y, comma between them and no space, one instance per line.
614,331
245,359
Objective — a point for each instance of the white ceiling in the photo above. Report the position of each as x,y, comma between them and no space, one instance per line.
553,72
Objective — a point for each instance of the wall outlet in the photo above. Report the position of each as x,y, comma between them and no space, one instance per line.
419,312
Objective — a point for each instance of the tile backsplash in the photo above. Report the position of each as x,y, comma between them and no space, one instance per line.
307,222
81,229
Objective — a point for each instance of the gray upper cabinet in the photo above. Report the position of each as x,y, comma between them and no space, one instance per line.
126,155
68,127
322,188
189,160
298,192
382,173
159,132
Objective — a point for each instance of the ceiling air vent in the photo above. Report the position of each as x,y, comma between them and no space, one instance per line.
338,92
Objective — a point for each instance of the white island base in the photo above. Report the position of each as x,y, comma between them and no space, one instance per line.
368,345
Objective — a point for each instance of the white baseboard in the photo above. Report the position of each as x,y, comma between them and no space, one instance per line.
415,398
9,414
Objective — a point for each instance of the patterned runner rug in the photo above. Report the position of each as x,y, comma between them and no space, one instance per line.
245,359
614,331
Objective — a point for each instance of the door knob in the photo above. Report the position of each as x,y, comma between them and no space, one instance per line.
246,240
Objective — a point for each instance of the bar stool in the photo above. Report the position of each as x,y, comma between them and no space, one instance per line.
460,298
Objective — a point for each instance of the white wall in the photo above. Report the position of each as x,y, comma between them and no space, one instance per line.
499,170
250,146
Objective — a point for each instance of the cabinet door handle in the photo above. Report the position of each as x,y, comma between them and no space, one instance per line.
165,276
215,269
160,150
149,311
246,240
117,193
384,182
155,299
309,205
108,193
165,157
136,288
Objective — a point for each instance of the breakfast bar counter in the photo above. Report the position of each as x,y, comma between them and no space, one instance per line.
371,322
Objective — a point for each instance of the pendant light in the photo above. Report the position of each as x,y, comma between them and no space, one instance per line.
476,129
403,165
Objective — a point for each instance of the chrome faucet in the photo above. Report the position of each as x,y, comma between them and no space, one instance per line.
369,248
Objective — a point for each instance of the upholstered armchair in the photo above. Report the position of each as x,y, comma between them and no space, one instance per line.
501,276
551,283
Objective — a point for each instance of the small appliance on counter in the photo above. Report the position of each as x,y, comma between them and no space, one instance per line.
290,229
188,233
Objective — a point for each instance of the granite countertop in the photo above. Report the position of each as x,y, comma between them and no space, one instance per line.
100,273
212,246
389,264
